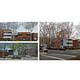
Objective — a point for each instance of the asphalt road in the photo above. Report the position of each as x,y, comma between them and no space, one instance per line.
59,54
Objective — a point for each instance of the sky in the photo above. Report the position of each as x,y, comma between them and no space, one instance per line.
76,23
75,34
22,29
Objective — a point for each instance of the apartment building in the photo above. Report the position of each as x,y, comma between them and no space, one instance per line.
3,54
23,36
66,43
1,33
34,36
61,43
55,43
5,34
76,43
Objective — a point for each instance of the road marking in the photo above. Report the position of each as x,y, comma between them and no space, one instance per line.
64,55
53,57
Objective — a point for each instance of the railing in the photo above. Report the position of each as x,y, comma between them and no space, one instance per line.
7,33
7,36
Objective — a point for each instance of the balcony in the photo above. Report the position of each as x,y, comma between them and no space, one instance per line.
7,33
7,36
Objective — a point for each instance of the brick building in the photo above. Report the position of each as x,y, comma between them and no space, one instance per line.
5,34
76,43
59,43
1,33
23,36
55,43
34,36
3,54
43,40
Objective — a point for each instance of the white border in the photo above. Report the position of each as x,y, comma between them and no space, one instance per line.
18,41
38,39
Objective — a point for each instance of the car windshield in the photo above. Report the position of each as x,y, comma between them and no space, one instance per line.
10,50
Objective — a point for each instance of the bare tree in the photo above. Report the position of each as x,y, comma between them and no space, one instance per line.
47,31
13,26
53,30
65,29
29,25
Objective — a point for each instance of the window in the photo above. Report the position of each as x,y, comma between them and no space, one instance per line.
28,34
78,46
20,34
62,42
69,39
28,38
24,38
19,38
78,41
69,42
53,41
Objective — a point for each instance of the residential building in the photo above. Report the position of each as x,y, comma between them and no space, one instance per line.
43,40
1,33
34,36
5,34
23,36
55,43
3,54
76,43
66,43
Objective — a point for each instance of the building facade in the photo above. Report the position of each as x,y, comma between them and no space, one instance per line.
5,34
66,43
55,43
23,36
3,54
76,43
34,36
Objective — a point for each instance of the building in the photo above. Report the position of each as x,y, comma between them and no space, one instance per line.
34,36
23,36
43,40
5,34
1,33
76,43
55,43
66,43
63,34
3,54
61,43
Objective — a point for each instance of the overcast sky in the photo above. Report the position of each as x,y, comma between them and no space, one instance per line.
22,29
20,26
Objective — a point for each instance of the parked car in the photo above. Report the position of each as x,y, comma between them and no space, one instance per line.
62,49
45,48
10,52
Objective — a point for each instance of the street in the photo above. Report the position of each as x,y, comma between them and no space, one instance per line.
59,54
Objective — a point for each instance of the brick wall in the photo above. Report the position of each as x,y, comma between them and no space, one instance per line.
34,36
26,36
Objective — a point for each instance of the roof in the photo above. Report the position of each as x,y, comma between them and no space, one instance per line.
5,30
23,32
